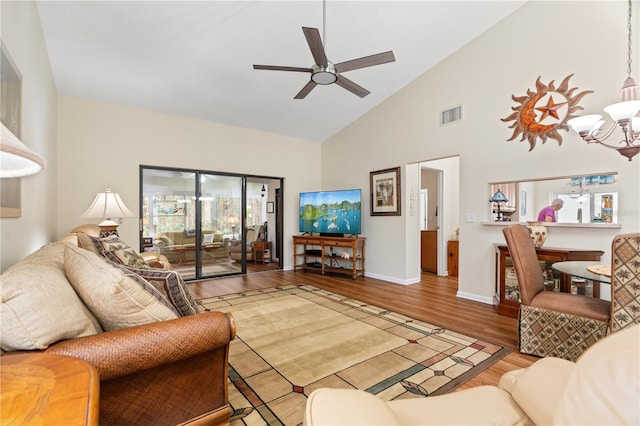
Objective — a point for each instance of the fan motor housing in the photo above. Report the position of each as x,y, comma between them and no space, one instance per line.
324,74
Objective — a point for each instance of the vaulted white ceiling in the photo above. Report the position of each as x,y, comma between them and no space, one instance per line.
194,58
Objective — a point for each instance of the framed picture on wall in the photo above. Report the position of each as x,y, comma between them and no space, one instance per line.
11,118
385,192
270,207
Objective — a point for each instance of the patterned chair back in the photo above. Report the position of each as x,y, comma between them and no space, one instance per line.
625,281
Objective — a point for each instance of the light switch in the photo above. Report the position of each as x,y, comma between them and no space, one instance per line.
470,217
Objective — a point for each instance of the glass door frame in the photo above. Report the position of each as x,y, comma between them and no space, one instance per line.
198,220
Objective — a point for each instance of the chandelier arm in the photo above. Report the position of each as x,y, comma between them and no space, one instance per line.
597,136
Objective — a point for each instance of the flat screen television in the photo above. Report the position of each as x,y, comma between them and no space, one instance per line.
331,212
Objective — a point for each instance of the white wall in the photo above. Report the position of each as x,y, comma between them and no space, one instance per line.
22,35
482,76
102,145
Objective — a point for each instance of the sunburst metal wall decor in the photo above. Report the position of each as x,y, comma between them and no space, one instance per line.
543,113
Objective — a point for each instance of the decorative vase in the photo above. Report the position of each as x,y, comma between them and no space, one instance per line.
538,233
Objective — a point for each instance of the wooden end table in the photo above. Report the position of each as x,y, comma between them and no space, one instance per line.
48,389
263,248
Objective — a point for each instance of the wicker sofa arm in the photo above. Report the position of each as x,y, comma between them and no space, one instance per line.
127,351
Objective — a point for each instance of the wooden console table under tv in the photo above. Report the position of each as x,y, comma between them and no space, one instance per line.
340,255
507,296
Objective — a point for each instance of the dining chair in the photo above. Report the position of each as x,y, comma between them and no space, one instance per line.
625,281
551,323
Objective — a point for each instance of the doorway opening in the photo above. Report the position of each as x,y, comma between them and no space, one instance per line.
439,198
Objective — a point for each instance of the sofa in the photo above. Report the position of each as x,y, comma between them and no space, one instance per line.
160,361
601,388
179,246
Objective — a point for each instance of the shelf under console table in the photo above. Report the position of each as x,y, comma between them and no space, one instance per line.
341,255
507,296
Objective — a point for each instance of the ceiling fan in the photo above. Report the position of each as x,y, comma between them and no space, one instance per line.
326,72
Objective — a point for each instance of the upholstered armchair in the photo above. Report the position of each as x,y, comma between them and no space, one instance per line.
625,281
237,248
551,323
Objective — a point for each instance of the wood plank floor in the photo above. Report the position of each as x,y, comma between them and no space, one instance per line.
433,300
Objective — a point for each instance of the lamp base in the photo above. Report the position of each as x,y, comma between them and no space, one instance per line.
108,228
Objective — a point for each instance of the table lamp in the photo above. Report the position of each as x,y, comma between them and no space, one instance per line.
108,205
233,221
498,198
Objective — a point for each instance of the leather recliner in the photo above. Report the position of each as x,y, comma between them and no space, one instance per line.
602,387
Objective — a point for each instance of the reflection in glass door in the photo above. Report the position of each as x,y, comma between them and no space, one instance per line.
187,217
220,204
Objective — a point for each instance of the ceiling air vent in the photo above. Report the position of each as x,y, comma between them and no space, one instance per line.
451,116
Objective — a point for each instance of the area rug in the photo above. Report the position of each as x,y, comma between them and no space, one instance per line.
293,339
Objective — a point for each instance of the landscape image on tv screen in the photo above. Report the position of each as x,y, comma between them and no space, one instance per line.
331,212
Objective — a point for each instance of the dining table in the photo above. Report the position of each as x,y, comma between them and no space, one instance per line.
598,272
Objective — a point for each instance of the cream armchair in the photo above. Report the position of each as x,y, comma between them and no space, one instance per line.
601,388
237,248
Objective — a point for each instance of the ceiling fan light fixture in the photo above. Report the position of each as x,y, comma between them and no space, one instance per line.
324,74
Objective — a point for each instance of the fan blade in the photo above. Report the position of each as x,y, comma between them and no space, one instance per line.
366,61
315,45
279,68
306,89
345,83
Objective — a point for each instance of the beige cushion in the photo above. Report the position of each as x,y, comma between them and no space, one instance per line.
39,306
115,298
538,388
481,405
85,242
604,386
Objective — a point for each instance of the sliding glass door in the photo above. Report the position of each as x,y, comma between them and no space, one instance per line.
192,218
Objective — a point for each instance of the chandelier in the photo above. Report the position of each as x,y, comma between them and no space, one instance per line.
624,113
581,194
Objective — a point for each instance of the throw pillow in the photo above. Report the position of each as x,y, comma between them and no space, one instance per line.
116,297
129,257
171,285
112,243
39,306
87,243
207,239
112,248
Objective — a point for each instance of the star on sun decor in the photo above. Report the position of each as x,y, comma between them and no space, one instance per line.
541,114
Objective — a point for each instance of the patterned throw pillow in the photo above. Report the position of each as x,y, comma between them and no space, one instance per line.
170,284
112,248
118,298
129,257
112,243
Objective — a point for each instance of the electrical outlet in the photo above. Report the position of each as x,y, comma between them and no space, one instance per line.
470,217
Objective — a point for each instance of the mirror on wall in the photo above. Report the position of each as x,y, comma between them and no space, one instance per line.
586,198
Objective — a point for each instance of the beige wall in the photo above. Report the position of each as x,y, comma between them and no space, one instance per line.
22,35
102,145
547,39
